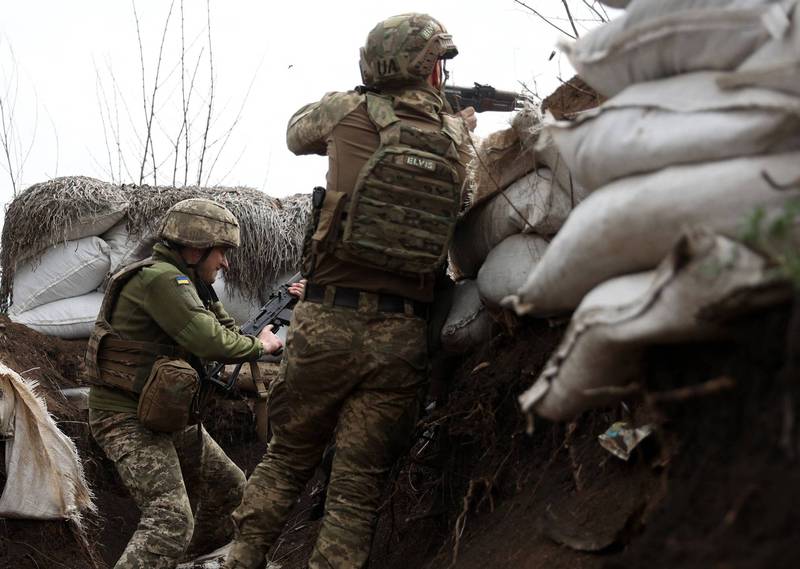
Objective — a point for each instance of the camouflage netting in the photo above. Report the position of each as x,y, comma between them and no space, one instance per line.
54,211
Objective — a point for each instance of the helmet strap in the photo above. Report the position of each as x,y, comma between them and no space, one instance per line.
202,258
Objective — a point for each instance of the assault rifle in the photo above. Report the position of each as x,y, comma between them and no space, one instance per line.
276,311
484,98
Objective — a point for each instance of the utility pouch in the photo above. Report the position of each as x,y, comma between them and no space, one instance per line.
330,215
166,400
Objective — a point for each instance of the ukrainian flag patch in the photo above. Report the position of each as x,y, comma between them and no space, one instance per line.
182,280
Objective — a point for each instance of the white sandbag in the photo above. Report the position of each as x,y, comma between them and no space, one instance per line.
508,265
468,325
679,120
66,270
703,282
124,249
776,64
655,39
631,224
503,156
69,318
44,475
533,204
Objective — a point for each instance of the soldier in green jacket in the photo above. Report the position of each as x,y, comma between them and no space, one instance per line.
160,321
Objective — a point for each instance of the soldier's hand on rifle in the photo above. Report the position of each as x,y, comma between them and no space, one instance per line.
470,117
269,341
297,289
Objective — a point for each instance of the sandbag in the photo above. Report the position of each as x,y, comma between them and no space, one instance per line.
469,324
776,64
508,265
679,120
631,224
505,156
705,281
655,39
123,248
69,318
533,204
44,475
66,270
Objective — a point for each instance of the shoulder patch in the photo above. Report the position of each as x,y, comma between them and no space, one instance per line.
182,280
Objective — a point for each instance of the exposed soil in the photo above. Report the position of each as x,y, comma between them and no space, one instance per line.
712,487
58,364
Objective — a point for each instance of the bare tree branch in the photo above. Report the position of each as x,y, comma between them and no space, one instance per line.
58,143
210,97
144,90
7,127
569,15
102,100
6,132
593,9
149,115
183,96
235,121
121,161
189,124
545,19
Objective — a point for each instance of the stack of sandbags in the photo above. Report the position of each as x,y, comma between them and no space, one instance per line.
57,295
704,282
672,147
62,238
519,195
54,258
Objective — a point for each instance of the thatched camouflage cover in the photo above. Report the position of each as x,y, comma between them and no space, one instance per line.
53,212
271,229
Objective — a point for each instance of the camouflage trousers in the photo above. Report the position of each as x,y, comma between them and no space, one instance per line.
356,375
167,474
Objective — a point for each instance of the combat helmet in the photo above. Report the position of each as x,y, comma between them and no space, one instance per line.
200,223
404,49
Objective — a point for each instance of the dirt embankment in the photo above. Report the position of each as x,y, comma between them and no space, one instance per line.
57,364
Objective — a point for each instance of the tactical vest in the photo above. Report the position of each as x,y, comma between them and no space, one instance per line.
402,212
112,361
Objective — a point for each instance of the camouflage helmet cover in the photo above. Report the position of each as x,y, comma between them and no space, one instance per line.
200,223
404,49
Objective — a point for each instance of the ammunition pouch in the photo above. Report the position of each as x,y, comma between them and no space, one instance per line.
168,399
112,361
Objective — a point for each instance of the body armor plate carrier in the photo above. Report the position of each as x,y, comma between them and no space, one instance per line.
403,209
112,361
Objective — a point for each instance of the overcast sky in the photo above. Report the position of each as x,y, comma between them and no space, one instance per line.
71,73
